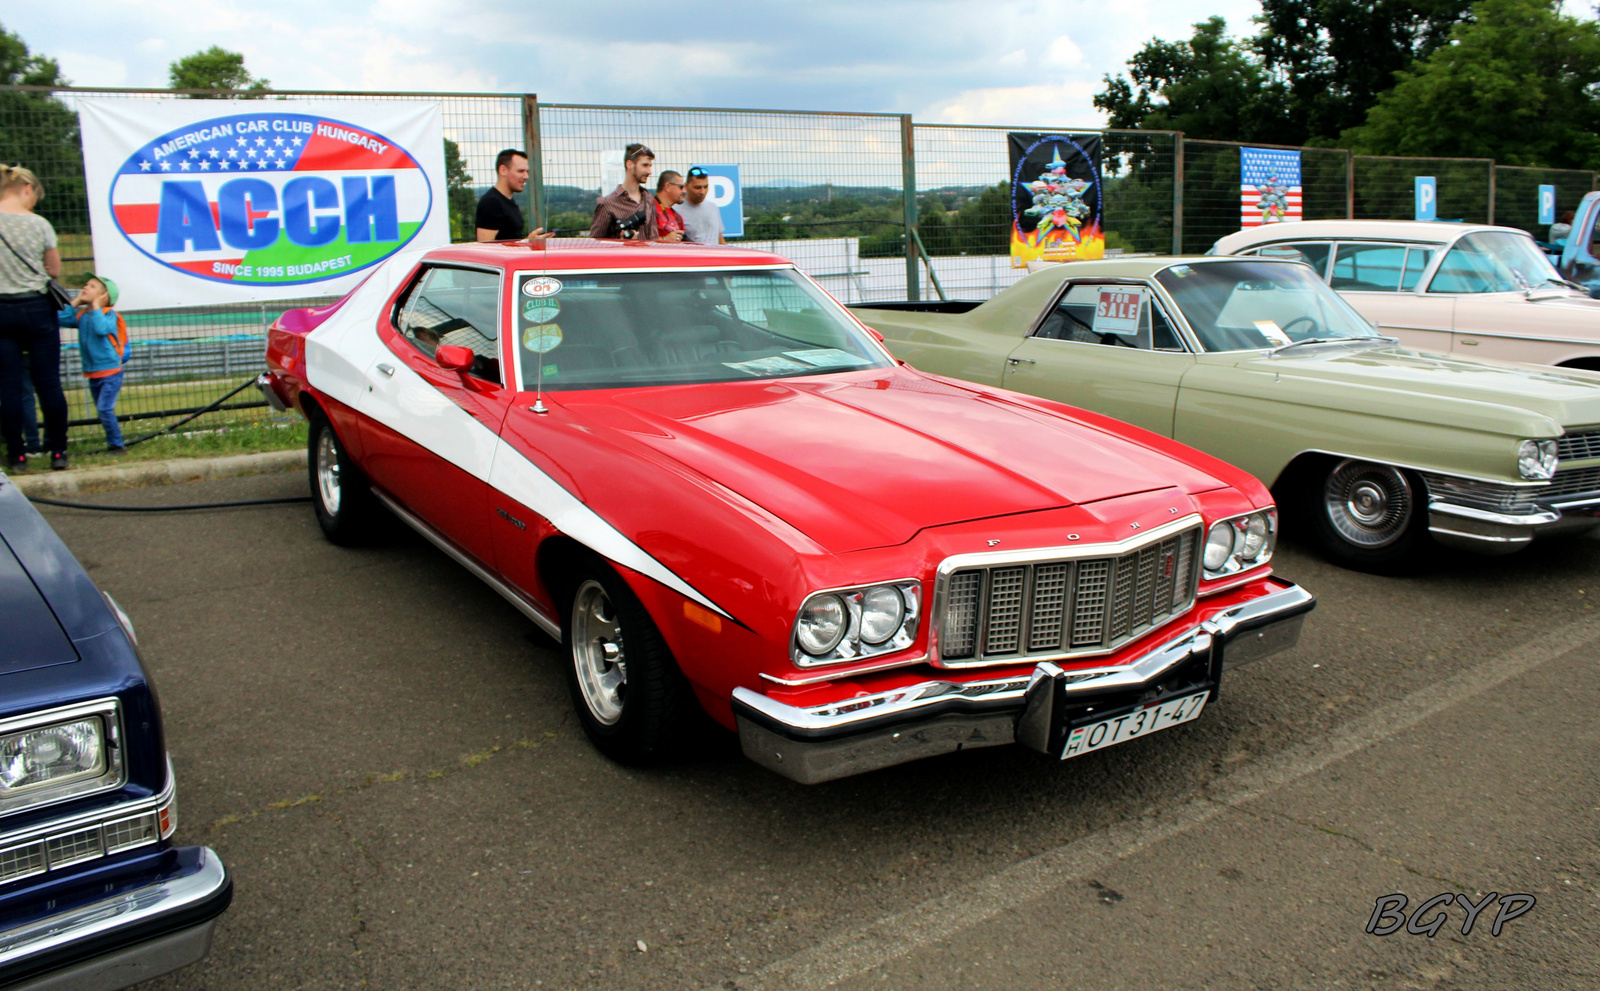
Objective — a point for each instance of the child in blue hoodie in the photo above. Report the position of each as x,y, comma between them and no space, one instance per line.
102,348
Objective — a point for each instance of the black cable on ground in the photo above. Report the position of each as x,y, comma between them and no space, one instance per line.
166,509
199,412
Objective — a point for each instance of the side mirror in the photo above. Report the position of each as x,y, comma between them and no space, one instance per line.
454,357
875,335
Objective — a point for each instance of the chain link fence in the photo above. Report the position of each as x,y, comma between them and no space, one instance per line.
836,192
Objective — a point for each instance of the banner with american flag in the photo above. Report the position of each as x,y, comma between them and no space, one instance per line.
202,201
1269,188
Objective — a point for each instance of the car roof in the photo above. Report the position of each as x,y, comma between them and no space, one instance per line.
577,253
1141,267
1397,230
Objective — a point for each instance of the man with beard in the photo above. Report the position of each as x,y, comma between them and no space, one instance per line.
627,212
702,219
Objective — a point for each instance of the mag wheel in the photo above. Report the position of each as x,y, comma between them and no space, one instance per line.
634,703
339,490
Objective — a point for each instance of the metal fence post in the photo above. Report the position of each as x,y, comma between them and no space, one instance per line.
1350,185
908,179
1177,193
1491,192
530,139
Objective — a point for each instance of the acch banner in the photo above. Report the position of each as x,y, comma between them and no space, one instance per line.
1056,206
210,201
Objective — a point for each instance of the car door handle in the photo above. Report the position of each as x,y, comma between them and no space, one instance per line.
1018,361
387,370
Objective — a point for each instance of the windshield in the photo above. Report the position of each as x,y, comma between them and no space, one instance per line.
1493,261
602,330
1248,305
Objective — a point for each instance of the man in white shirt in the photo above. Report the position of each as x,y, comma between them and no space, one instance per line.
702,219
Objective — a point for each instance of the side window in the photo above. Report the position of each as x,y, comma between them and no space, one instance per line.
1368,267
1417,260
1082,316
1464,269
455,306
1313,253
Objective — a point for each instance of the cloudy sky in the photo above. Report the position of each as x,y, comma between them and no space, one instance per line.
943,61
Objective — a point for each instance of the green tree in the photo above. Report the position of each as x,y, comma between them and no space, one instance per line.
458,184
1210,86
1516,84
1336,56
40,132
214,68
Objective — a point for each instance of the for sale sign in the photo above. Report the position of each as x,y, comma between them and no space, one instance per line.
197,201
1118,311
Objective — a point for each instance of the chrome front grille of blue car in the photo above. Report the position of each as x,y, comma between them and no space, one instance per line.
49,853
1060,607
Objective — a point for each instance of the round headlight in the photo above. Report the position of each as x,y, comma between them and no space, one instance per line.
883,609
1255,537
821,625
1219,546
1536,459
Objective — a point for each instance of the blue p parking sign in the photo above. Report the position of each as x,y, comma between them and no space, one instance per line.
1427,198
1547,204
726,193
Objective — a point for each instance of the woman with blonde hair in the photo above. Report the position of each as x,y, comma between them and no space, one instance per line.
30,341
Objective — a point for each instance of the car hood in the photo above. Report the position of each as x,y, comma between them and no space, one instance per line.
869,459
1558,312
1564,396
34,637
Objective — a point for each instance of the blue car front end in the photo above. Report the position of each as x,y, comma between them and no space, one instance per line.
93,895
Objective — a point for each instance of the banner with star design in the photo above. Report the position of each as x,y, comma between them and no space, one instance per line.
229,201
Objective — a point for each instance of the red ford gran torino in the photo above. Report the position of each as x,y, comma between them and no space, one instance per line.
714,486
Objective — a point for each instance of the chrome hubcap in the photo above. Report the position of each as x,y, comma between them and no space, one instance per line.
598,654
1369,505
328,472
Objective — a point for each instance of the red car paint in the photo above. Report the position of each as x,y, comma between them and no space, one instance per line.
758,493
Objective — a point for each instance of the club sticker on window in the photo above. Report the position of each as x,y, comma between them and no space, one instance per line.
540,310
1118,310
542,338
1272,332
541,286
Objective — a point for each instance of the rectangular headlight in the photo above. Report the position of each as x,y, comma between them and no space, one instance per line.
52,755
58,754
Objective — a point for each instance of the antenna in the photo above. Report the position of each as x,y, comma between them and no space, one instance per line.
538,388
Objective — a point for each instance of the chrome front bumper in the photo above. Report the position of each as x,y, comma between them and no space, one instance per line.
1485,531
821,743
132,937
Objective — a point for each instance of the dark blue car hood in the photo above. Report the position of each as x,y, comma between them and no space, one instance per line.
33,637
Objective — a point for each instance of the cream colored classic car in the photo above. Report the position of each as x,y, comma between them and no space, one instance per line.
1469,289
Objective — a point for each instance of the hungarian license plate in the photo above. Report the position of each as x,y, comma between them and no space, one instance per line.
1140,722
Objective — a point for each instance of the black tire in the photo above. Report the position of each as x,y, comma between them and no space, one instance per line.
1367,516
340,492
633,701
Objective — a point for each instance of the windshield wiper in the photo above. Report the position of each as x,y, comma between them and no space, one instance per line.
1332,340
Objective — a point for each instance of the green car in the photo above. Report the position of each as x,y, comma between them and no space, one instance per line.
1373,446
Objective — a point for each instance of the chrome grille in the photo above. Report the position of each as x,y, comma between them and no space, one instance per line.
21,861
1573,481
1035,609
130,833
69,848
1574,447
1502,497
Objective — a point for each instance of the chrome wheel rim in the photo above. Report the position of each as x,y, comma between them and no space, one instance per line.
328,472
597,653
1369,505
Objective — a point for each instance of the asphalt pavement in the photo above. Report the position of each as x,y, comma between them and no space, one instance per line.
384,754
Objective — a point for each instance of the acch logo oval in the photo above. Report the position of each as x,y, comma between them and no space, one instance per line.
268,198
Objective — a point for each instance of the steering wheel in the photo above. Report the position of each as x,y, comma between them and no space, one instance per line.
1297,321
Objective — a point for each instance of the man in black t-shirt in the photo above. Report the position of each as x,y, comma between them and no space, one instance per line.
499,216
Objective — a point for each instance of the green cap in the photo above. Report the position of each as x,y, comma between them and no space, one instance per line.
111,287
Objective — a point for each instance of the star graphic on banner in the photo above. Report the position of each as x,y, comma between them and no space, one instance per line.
166,166
233,153
215,153
260,142
251,153
144,166
226,165
194,153
184,166
277,141
205,166
283,163
241,142
297,142
261,163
